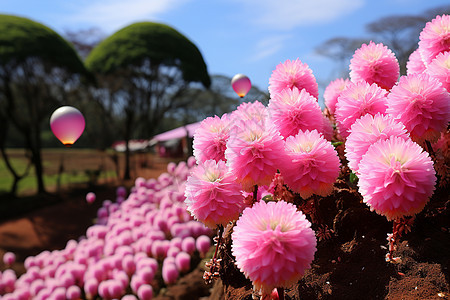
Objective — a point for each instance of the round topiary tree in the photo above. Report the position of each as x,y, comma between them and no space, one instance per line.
38,68
143,70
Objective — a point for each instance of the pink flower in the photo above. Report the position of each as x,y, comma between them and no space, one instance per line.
332,92
254,153
415,63
435,38
314,164
356,100
294,110
293,74
396,177
211,137
212,195
273,244
375,63
422,105
366,131
249,111
439,68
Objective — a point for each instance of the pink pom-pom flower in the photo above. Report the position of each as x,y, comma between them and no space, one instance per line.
211,137
396,177
273,244
254,153
439,68
422,105
332,92
292,74
356,100
375,63
435,38
415,63
314,164
212,195
366,131
250,111
294,110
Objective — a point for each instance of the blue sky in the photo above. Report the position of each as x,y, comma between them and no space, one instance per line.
234,36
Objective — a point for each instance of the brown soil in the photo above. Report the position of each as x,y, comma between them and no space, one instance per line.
350,264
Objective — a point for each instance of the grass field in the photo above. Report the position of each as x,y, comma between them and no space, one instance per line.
79,166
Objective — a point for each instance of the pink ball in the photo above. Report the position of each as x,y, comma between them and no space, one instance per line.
188,245
128,264
91,287
145,292
90,197
115,289
169,273
73,293
183,262
9,258
36,286
203,243
58,294
146,274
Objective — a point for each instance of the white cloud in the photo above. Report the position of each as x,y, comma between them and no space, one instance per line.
269,46
288,14
114,14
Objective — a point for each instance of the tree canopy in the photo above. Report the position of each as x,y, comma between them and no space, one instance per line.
22,38
159,43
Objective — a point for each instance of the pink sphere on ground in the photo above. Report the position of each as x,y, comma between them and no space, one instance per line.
203,244
9,258
169,273
188,245
183,262
90,197
73,293
145,292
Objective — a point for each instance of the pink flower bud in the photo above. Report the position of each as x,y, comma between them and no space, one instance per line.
36,286
58,294
203,244
169,273
146,274
115,289
188,245
145,292
91,287
128,264
73,293
183,262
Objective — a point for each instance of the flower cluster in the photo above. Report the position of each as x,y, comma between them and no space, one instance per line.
136,239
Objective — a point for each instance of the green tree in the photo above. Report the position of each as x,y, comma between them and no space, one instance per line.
38,68
143,70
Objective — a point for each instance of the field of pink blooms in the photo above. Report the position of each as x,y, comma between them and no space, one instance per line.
350,203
